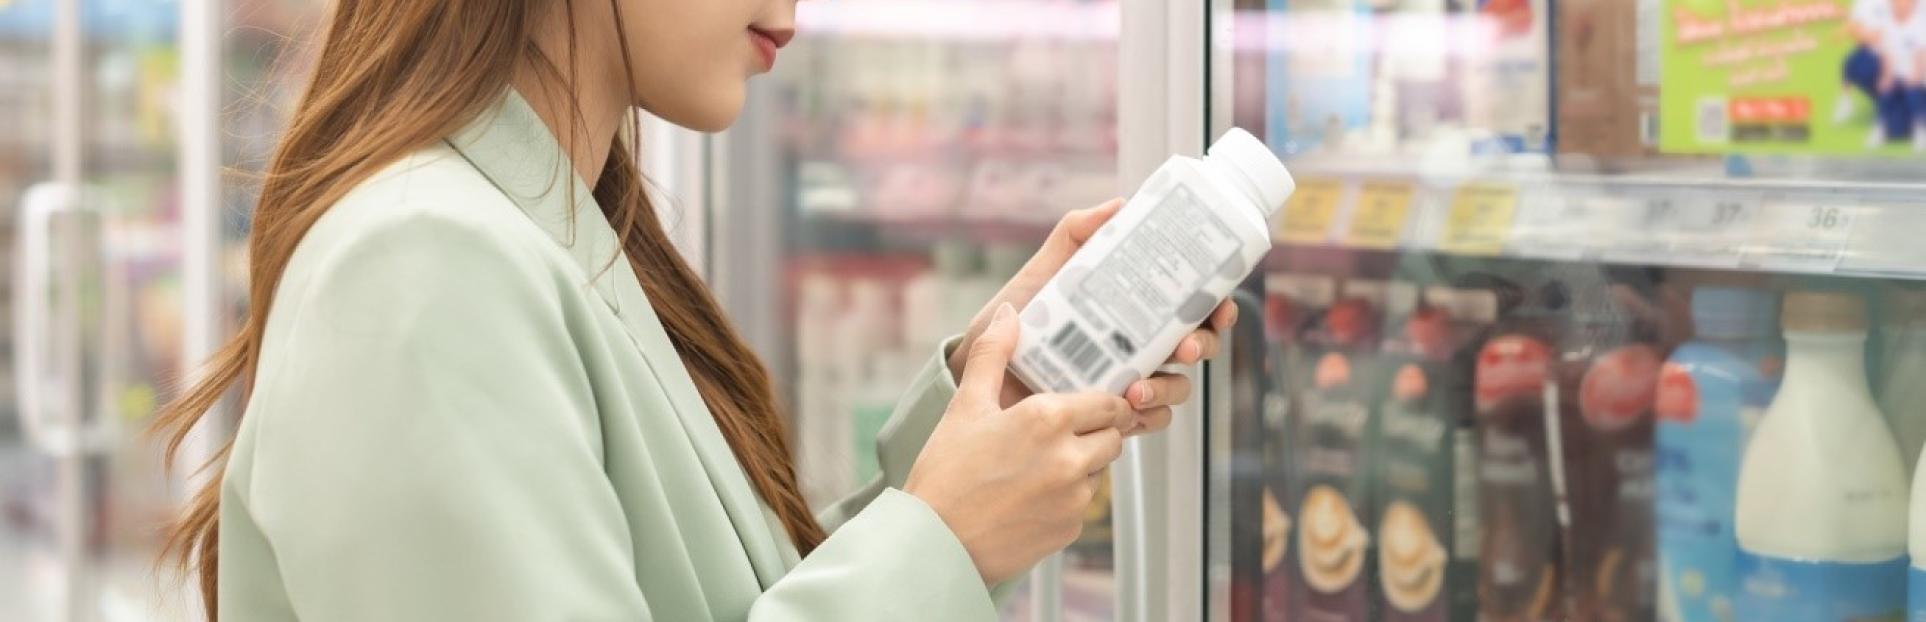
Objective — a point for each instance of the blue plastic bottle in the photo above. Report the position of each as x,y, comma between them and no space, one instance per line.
1711,392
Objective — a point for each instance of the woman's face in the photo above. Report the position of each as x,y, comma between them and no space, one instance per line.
691,59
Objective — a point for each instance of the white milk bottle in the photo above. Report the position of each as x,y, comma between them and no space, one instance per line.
1821,503
1154,272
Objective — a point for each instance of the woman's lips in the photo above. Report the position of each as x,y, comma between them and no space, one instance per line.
767,42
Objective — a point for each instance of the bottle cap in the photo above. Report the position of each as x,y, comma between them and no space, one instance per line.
1254,167
1824,312
1733,312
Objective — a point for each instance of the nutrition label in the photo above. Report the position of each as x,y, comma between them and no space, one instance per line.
1172,252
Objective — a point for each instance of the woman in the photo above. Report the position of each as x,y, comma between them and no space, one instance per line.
479,388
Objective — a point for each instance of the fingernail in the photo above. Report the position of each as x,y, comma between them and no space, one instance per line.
1194,348
1003,313
1144,394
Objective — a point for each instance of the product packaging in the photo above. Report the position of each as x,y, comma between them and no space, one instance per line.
1792,77
1713,391
1331,429
1821,507
1424,480
1119,307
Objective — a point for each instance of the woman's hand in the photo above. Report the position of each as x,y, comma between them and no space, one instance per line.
1012,482
1152,397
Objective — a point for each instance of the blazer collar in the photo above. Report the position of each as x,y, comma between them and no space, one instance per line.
513,148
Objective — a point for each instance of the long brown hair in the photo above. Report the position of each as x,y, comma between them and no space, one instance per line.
392,77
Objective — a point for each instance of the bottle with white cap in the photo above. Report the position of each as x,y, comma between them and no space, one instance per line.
1148,277
1821,500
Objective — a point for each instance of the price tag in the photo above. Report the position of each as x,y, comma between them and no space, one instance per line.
1801,237
1378,220
1646,228
1309,213
1546,223
1479,220
1713,231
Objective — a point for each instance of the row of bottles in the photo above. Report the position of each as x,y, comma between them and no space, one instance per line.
1522,443
1012,125
864,325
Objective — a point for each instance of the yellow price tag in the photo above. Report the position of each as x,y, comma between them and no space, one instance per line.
1480,219
1308,215
1378,221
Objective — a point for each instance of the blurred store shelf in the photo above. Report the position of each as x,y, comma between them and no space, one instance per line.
1673,218
980,20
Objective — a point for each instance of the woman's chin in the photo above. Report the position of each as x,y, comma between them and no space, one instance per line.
703,114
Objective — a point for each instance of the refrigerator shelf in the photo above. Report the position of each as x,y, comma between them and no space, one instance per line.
1756,225
966,20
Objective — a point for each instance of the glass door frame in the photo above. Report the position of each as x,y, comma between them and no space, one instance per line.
1164,81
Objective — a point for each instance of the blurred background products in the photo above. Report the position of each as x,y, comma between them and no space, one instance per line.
1524,350
1624,192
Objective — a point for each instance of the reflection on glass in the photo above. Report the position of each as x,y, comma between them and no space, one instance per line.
1556,289
26,544
925,149
132,65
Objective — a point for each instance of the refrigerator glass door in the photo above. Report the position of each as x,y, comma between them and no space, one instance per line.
1564,290
29,552
904,159
95,306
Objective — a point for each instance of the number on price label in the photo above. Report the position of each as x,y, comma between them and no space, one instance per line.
1479,220
1729,213
1801,237
1713,231
1308,215
1645,228
1379,219
1826,219
1659,214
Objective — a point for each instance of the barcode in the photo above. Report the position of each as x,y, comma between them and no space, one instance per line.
1075,346
1714,123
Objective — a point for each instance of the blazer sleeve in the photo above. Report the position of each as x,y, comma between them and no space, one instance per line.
429,450
902,436
901,440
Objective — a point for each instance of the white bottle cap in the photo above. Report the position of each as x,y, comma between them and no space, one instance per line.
1252,164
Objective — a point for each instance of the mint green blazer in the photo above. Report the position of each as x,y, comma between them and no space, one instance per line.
465,410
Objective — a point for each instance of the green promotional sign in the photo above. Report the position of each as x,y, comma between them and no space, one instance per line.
1842,77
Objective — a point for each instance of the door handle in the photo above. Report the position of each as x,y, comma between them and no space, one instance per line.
56,314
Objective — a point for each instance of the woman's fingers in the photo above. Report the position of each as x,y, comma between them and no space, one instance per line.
1205,342
1224,317
1151,421
1153,398
1159,390
1200,344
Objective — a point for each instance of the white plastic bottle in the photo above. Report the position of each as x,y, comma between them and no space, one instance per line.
1821,503
1155,271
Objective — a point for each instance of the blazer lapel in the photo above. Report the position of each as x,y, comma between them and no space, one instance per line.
513,148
